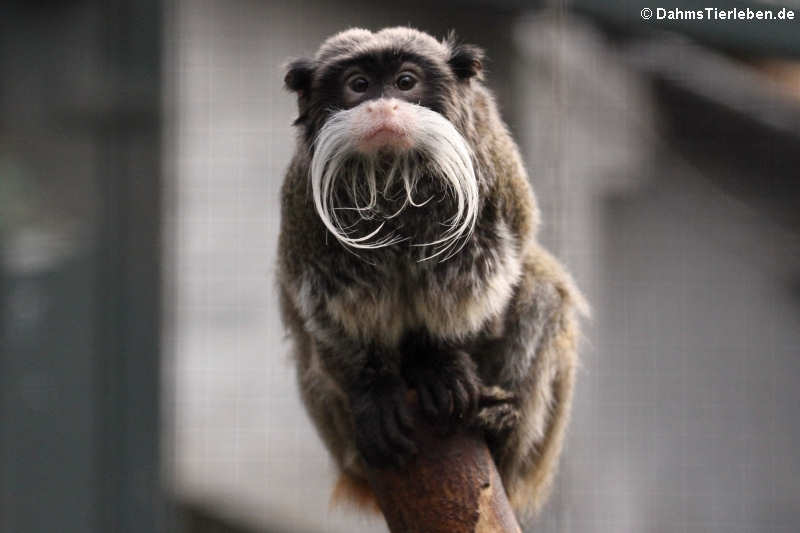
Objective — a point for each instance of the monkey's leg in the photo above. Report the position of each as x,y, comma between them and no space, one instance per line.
498,413
531,473
537,359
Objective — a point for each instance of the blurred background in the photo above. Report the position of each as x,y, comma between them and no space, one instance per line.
145,383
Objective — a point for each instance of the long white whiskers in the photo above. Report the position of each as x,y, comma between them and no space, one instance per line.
445,153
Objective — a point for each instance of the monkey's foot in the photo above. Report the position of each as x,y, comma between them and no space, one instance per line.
383,422
447,386
498,412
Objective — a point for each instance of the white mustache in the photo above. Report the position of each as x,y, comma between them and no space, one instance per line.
445,153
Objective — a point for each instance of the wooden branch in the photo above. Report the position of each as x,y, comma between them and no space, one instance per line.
452,486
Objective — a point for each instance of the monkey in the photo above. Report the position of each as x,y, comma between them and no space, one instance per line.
408,261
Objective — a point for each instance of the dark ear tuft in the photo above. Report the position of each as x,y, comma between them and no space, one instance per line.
298,75
466,60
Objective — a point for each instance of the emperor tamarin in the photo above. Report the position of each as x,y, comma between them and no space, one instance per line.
408,260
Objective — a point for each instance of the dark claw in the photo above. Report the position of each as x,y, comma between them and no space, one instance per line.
426,401
404,416
474,395
441,394
460,399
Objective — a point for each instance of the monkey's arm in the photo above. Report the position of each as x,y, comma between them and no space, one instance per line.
312,272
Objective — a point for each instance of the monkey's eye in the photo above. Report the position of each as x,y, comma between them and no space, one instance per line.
358,84
405,82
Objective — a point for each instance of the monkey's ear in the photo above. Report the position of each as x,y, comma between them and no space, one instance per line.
298,76
466,60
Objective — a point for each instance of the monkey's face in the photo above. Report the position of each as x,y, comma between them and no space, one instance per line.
374,108
377,85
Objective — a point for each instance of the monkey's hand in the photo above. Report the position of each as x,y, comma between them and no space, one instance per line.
383,421
447,385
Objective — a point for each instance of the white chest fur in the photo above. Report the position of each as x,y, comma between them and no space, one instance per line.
449,307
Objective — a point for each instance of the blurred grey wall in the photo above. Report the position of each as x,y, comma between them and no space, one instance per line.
684,411
80,188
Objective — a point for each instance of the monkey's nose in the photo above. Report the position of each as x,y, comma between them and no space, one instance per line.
383,107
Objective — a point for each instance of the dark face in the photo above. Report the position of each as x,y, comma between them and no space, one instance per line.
387,73
376,75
